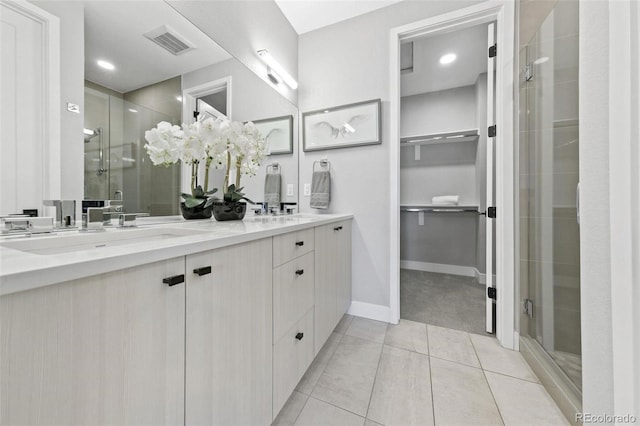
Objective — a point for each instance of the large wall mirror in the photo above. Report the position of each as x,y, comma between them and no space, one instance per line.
163,68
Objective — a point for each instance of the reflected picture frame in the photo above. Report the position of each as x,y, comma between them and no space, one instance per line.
343,126
278,132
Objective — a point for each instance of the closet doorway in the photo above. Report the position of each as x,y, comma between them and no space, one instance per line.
447,179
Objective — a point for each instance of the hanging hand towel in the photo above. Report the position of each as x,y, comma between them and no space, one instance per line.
272,183
321,189
446,199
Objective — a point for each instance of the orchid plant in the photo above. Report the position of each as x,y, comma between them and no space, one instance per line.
208,142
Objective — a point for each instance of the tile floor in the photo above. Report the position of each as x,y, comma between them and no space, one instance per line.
371,373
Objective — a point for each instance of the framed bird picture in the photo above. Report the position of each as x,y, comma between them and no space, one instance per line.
278,132
342,126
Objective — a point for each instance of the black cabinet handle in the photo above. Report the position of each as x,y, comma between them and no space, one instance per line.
299,336
300,272
338,228
299,243
176,279
205,270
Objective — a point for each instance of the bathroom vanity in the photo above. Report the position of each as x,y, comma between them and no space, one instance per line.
196,323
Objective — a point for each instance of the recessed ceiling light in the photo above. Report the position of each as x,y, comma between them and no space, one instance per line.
179,98
448,58
541,60
133,110
106,65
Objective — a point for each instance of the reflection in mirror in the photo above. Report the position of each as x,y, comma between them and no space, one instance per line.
159,59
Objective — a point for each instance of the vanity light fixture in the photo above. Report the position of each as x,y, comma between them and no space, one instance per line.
541,60
273,76
89,132
348,128
106,65
275,66
447,58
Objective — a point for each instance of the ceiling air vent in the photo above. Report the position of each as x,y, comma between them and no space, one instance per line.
167,38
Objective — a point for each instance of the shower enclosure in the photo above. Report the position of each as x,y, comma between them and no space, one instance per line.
116,165
549,223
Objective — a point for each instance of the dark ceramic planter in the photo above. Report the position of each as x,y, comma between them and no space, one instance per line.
197,212
229,210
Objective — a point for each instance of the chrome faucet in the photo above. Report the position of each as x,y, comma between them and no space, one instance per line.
65,212
26,225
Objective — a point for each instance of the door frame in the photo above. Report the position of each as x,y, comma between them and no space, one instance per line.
502,12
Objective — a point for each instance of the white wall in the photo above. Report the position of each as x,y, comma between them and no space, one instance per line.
252,99
242,27
71,16
595,263
481,170
344,63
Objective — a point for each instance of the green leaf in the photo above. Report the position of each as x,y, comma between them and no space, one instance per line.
198,192
185,195
193,202
213,191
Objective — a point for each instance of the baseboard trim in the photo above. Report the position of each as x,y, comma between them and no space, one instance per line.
442,268
370,311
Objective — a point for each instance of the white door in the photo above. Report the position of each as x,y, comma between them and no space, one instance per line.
490,326
29,117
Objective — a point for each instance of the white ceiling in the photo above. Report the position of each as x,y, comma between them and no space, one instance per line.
470,46
116,34
309,15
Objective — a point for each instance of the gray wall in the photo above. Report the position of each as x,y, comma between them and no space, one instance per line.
242,27
252,99
344,63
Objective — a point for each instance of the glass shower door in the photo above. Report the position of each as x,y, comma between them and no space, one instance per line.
549,178
96,145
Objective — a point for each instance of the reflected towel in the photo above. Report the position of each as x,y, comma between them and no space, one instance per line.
321,189
272,183
446,199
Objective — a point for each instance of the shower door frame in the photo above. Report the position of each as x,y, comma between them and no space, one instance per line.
503,14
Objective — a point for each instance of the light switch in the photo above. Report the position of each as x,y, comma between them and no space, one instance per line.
289,189
307,189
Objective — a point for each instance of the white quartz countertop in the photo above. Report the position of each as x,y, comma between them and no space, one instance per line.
24,270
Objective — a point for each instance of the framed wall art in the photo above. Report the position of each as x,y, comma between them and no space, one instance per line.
278,132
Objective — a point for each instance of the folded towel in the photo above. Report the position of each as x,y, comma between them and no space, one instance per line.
446,199
321,189
272,184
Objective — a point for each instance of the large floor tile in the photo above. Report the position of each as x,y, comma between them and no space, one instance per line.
369,422
289,413
524,403
367,329
494,357
402,391
461,395
322,414
348,379
452,345
318,365
408,335
344,324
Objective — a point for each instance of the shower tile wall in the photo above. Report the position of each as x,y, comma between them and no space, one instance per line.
550,257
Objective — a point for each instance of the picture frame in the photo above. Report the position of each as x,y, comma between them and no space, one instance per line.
342,126
278,132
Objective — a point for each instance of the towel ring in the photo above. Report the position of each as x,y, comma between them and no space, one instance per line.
324,163
273,168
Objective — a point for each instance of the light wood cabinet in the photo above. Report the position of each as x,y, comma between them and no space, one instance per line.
333,278
107,349
229,336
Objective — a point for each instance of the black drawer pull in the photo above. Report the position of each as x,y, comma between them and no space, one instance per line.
300,272
299,336
338,228
205,270
176,279
299,243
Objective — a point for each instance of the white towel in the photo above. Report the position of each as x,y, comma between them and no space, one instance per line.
446,199
320,189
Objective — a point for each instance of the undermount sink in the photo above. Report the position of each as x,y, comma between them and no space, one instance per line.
69,243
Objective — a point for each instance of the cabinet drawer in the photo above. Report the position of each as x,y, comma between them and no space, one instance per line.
292,245
292,293
292,355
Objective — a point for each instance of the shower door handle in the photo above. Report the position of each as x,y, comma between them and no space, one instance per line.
101,168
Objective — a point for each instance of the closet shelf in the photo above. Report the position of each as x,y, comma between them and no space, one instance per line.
440,208
441,138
